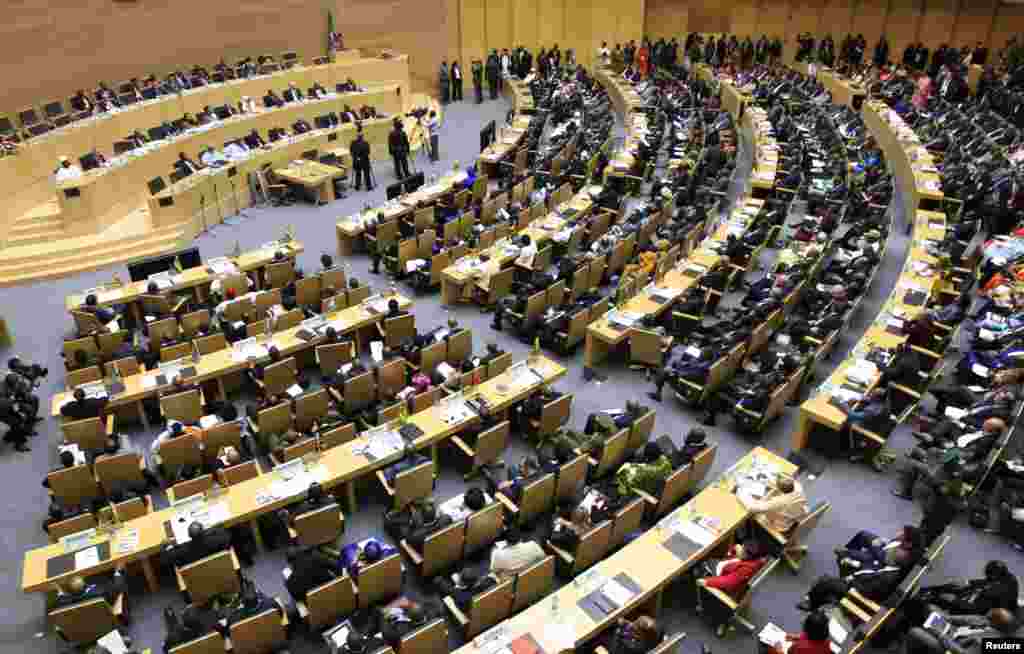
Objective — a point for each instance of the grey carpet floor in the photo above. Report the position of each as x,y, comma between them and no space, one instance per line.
860,497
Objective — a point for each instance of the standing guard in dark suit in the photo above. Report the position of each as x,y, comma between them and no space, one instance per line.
478,81
442,81
492,73
360,151
456,81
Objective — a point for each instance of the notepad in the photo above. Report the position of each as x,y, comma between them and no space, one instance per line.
87,558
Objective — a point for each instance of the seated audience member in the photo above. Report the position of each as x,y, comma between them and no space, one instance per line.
875,584
103,314
174,430
399,618
228,457
783,508
866,551
310,569
253,602
271,100
356,556
964,634
429,522
515,555
463,586
201,544
358,643
78,590
518,477
183,629
998,589
569,526
647,474
67,460
731,576
609,421
814,639
82,407
637,636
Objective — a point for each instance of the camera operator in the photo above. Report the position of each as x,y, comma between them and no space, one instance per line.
18,388
398,147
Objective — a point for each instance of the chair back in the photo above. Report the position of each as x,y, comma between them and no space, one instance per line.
219,436
641,430
210,344
533,583
110,342
175,352
801,530
86,344
627,520
310,407
571,476
307,291
499,365
675,488
266,299
133,508
556,293
537,498
319,526
84,622
214,575
483,527
181,451
192,322
275,419
501,283
114,470
288,320
460,346
329,602
75,378
490,607
259,634
296,450
280,274
425,400
333,356
431,356
380,581
612,453
595,273
593,546
337,436
185,407
399,329
443,548
89,434
555,413
357,295
211,643
701,465
86,323
74,486
414,483
277,377
645,348
238,473
431,638
190,487
491,443
359,392
58,530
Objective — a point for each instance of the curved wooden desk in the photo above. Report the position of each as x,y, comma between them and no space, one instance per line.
905,156
250,499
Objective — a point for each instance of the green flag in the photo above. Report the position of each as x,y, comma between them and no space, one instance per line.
330,33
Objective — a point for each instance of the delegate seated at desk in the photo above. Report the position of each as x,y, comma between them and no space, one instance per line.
66,171
783,508
211,158
82,407
254,602
253,140
185,166
78,590
463,586
184,628
356,556
293,93
271,100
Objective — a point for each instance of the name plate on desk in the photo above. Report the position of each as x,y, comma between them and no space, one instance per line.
80,559
611,597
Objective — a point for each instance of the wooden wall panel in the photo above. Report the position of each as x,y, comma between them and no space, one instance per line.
902,25
937,22
499,30
1009,22
577,19
551,23
743,19
666,18
974,22
804,16
772,17
869,20
837,20
709,16
473,33
629,17
56,47
525,21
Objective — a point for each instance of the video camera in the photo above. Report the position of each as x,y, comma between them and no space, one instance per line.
418,112
31,371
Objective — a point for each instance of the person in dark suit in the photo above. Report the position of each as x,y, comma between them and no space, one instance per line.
492,73
478,81
301,126
398,148
310,569
80,102
979,56
202,543
181,629
254,602
360,151
443,82
78,590
254,140
186,166
997,590
82,407
271,100
102,314
293,93
875,584
456,76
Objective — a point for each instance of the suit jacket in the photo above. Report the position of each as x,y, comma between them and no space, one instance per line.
271,101
301,127
95,588
292,95
398,143
90,407
214,540
464,596
253,140
181,166
309,570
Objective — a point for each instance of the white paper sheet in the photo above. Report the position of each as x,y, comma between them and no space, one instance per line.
87,558
695,532
113,643
616,592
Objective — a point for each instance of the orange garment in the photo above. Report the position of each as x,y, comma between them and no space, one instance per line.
643,61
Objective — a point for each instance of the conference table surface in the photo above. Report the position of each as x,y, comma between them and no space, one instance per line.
646,560
223,362
338,465
188,278
506,140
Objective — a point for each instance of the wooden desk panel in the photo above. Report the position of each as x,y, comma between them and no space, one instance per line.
335,466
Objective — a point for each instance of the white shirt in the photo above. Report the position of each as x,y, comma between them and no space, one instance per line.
515,558
605,55
526,255
67,173
236,151
210,158
456,73
249,106
506,64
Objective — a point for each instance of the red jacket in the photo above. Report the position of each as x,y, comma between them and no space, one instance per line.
735,576
804,645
